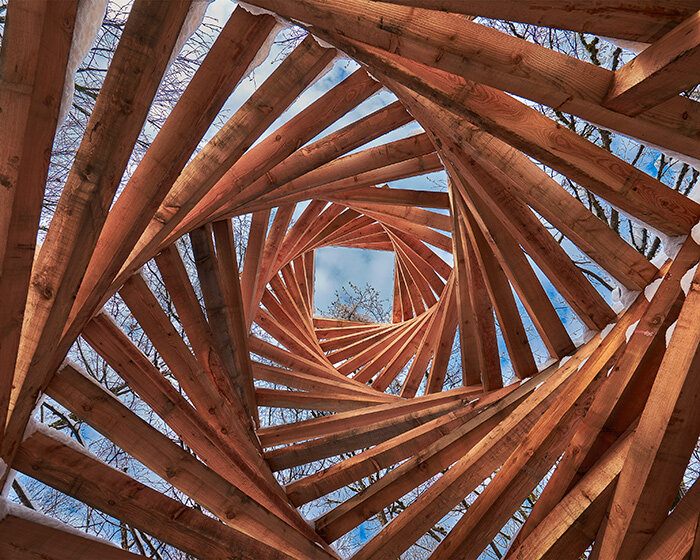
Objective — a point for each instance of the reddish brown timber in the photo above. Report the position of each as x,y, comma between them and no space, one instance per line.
35,47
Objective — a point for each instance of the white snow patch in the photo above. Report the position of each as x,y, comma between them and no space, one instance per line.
88,20
669,333
634,46
256,11
264,50
651,289
34,426
622,298
21,512
606,331
671,245
550,362
695,233
687,279
193,20
583,362
586,335
659,259
5,490
630,331
564,360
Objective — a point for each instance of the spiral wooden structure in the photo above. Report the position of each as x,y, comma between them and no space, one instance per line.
612,423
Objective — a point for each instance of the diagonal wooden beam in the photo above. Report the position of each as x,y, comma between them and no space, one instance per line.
26,535
86,478
501,295
647,22
547,197
268,102
220,317
664,440
121,108
524,128
225,65
280,145
660,72
31,86
478,448
465,48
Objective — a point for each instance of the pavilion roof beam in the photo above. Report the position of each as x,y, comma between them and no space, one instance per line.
116,121
677,535
411,167
544,439
348,166
469,344
274,243
87,479
327,148
475,450
280,145
528,130
524,280
442,349
221,445
353,439
221,317
611,18
33,63
26,536
540,191
294,74
535,239
252,261
501,295
225,65
464,48
387,453
663,442
660,72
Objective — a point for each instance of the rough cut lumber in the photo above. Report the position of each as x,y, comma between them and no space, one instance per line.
275,148
678,533
610,18
465,48
664,440
525,128
168,460
224,66
89,480
269,101
660,72
32,71
26,537
120,110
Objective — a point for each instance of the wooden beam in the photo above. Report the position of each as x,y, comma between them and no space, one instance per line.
465,48
525,128
225,65
647,22
120,110
478,448
220,317
664,440
27,535
280,145
86,478
33,63
660,72
536,188
268,102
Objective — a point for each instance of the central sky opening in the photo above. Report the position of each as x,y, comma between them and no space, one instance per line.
337,266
